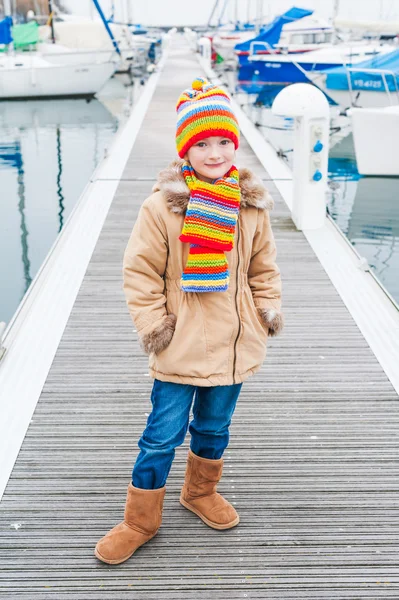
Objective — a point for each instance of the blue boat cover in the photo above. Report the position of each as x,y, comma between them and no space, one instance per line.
5,31
272,32
337,78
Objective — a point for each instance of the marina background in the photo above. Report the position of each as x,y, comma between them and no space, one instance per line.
50,148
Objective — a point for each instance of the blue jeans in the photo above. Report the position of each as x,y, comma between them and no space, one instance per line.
168,422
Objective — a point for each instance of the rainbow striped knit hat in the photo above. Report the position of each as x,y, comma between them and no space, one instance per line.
204,111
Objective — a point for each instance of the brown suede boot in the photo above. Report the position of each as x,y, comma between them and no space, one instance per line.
200,496
143,516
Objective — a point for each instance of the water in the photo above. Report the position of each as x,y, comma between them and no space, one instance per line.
48,151
365,208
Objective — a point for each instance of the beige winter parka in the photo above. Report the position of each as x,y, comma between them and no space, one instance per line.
208,338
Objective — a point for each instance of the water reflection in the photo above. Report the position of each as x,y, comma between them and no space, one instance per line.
48,151
373,226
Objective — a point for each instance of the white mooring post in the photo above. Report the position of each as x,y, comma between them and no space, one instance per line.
310,110
205,47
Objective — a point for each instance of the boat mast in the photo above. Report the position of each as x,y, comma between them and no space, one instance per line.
7,13
335,15
123,10
258,17
7,8
107,27
213,12
50,10
222,12
129,12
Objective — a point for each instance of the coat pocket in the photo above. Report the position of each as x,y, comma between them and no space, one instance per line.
255,315
186,353
253,340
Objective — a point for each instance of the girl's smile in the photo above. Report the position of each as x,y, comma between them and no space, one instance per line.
215,165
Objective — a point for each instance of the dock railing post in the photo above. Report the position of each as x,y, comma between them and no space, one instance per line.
310,110
205,47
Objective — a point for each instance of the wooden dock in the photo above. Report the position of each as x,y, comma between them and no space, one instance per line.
312,465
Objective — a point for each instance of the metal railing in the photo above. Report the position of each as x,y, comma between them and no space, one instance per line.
382,72
266,45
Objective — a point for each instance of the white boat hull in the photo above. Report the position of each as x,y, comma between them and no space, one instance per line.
58,54
35,77
375,135
360,98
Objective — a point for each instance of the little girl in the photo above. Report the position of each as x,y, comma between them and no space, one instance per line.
204,293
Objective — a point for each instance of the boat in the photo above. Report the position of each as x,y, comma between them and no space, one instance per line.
376,154
295,31
226,37
277,69
37,76
370,83
52,71
79,33
282,30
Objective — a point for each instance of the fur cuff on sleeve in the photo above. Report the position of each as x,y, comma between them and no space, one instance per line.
160,337
272,319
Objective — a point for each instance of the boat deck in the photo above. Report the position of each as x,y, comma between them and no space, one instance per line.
312,463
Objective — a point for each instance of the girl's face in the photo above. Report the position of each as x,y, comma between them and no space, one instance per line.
212,157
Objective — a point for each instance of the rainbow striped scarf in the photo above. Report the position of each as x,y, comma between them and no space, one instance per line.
209,227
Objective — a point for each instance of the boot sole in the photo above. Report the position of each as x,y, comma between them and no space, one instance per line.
110,561
207,521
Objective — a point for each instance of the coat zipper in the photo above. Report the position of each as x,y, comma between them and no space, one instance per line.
238,315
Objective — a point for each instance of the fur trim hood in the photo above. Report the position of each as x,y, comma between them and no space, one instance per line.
173,186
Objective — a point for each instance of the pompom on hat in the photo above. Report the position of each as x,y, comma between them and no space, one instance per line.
202,111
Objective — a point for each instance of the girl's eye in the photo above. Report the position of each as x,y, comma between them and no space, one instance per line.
201,144
225,142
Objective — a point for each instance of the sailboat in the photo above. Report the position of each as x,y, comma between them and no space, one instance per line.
80,34
53,72
40,76
296,30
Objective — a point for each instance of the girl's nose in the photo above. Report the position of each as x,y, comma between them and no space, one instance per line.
214,153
